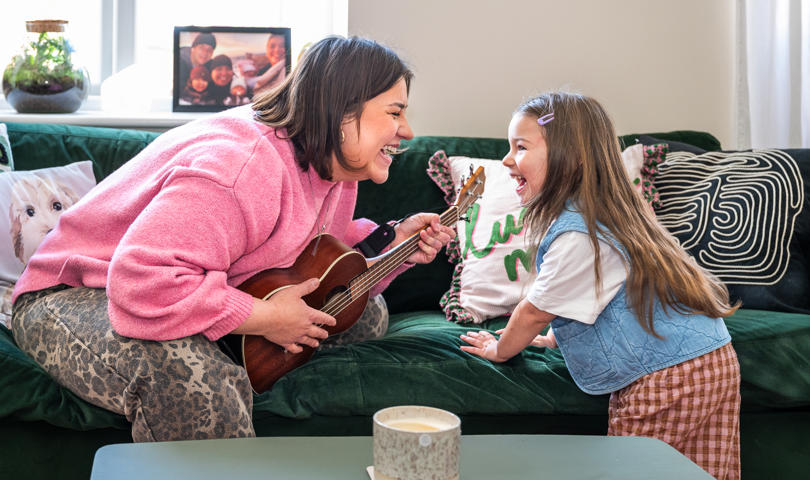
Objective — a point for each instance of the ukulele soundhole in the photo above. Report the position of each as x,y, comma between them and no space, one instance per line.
335,291
340,304
336,297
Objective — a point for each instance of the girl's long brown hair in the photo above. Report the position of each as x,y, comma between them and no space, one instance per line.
585,166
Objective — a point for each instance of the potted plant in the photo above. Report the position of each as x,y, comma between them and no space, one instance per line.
42,77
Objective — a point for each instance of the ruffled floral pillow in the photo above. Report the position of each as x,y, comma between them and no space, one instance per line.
494,266
641,163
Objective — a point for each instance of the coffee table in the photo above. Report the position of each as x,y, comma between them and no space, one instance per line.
486,457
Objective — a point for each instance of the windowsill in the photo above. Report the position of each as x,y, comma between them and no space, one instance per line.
92,115
98,118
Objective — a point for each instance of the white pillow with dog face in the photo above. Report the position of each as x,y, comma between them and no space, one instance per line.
30,205
6,159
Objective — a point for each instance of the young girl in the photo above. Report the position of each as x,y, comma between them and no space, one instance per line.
644,322
196,91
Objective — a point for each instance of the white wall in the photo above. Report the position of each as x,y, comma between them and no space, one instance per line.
656,65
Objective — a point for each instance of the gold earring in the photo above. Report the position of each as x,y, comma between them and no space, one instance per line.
342,136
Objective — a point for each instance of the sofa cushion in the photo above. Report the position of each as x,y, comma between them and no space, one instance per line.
493,264
28,393
692,138
419,362
6,157
773,349
744,216
672,145
33,200
641,164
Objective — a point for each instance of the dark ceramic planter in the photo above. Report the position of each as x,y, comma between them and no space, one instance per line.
42,77
63,102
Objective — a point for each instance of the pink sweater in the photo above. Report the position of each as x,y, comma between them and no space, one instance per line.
175,230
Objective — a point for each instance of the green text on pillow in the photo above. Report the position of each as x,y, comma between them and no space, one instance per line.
494,266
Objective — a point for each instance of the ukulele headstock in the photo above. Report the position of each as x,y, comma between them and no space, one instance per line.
472,190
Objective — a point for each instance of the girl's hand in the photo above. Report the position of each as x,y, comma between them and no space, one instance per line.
431,239
482,344
548,340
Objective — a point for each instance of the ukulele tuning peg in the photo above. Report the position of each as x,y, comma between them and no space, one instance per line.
472,171
459,187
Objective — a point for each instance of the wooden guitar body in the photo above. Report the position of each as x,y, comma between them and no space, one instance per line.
343,292
325,258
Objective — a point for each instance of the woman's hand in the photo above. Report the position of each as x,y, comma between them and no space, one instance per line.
548,340
431,239
482,344
285,319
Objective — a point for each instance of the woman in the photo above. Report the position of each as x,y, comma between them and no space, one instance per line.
271,74
124,300
221,77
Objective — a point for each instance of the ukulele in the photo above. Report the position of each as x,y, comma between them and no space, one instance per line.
345,282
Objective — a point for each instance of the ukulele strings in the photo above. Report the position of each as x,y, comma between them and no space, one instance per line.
340,301
343,299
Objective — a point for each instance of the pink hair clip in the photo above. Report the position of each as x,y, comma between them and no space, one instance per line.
545,118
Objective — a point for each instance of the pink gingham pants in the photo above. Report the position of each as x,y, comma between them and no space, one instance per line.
693,406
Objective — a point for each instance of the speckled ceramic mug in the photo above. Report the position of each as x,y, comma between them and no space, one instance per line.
412,442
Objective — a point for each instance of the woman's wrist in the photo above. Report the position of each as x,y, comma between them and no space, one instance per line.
396,224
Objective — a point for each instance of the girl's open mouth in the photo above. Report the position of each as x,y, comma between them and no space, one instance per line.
521,184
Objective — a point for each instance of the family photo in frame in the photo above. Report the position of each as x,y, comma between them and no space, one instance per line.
216,68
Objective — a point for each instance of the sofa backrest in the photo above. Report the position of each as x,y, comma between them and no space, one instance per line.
409,189
42,145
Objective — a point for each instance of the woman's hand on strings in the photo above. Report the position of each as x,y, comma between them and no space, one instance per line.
432,236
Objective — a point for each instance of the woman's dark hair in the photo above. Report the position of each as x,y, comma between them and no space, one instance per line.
332,81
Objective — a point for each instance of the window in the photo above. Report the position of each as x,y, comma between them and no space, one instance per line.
133,38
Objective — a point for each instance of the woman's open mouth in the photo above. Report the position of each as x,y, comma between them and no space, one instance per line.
393,150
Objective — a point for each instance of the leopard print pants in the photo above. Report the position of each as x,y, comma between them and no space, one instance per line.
169,390
373,323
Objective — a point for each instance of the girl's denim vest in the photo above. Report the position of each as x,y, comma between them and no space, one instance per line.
615,351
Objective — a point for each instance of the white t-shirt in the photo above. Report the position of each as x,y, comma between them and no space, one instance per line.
565,285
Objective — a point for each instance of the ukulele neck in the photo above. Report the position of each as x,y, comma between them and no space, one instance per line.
391,260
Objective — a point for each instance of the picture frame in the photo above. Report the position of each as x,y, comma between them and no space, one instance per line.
216,68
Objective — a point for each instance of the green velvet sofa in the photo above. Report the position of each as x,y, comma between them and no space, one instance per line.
47,432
